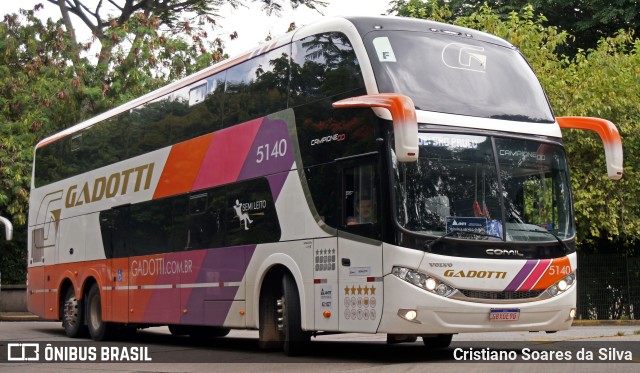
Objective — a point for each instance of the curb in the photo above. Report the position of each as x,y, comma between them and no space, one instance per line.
19,316
606,323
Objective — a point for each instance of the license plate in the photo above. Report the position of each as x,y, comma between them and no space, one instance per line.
504,314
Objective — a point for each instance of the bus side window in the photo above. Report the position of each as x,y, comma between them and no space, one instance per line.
256,87
359,196
323,65
204,226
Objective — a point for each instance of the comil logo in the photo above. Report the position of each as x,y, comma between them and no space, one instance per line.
500,252
464,57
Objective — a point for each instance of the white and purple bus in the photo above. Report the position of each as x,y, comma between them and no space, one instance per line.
372,175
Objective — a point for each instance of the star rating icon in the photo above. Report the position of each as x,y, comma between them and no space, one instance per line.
367,290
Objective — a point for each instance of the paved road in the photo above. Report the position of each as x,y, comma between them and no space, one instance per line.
346,352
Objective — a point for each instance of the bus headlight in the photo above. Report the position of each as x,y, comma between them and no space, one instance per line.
562,285
423,281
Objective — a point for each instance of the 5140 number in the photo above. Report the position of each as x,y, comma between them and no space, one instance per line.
266,152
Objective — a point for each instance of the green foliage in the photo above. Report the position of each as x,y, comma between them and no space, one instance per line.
587,20
604,83
47,82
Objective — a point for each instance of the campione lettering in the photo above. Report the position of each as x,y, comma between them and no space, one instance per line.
322,140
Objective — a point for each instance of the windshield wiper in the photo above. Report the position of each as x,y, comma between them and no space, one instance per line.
430,244
564,246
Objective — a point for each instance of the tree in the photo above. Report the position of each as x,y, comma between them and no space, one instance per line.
586,20
48,83
39,94
149,15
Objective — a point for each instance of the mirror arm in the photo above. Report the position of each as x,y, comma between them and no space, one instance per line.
8,228
608,134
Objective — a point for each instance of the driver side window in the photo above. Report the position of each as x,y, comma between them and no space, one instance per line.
360,210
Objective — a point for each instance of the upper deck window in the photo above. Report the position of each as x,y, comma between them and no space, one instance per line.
455,75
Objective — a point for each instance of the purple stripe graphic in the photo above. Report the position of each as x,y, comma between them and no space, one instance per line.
276,182
271,151
212,304
522,275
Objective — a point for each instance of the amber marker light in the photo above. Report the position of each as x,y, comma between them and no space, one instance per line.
326,314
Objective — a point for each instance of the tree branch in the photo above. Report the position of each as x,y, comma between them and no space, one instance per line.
72,33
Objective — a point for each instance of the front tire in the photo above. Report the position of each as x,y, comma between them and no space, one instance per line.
99,330
437,341
73,315
296,340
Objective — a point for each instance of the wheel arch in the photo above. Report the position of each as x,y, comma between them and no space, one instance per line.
270,274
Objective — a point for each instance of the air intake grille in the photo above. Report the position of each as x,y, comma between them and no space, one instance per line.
501,295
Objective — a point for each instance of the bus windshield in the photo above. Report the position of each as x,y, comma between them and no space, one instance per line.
510,189
457,75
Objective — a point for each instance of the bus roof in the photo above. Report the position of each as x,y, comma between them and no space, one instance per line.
363,25
389,23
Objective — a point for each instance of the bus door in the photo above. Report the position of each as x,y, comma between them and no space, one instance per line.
43,253
114,227
359,247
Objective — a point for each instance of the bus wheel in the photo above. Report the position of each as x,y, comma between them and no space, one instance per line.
98,328
178,330
270,337
296,340
73,315
437,341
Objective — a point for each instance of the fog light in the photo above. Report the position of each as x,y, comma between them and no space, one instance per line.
562,285
410,315
431,284
572,313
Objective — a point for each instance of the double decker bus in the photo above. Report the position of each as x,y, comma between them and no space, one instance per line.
372,175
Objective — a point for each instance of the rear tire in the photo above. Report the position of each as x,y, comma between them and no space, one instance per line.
73,315
99,329
296,340
437,341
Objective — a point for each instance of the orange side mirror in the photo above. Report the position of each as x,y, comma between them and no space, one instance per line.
610,139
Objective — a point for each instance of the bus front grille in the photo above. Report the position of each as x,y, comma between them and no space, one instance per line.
499,296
